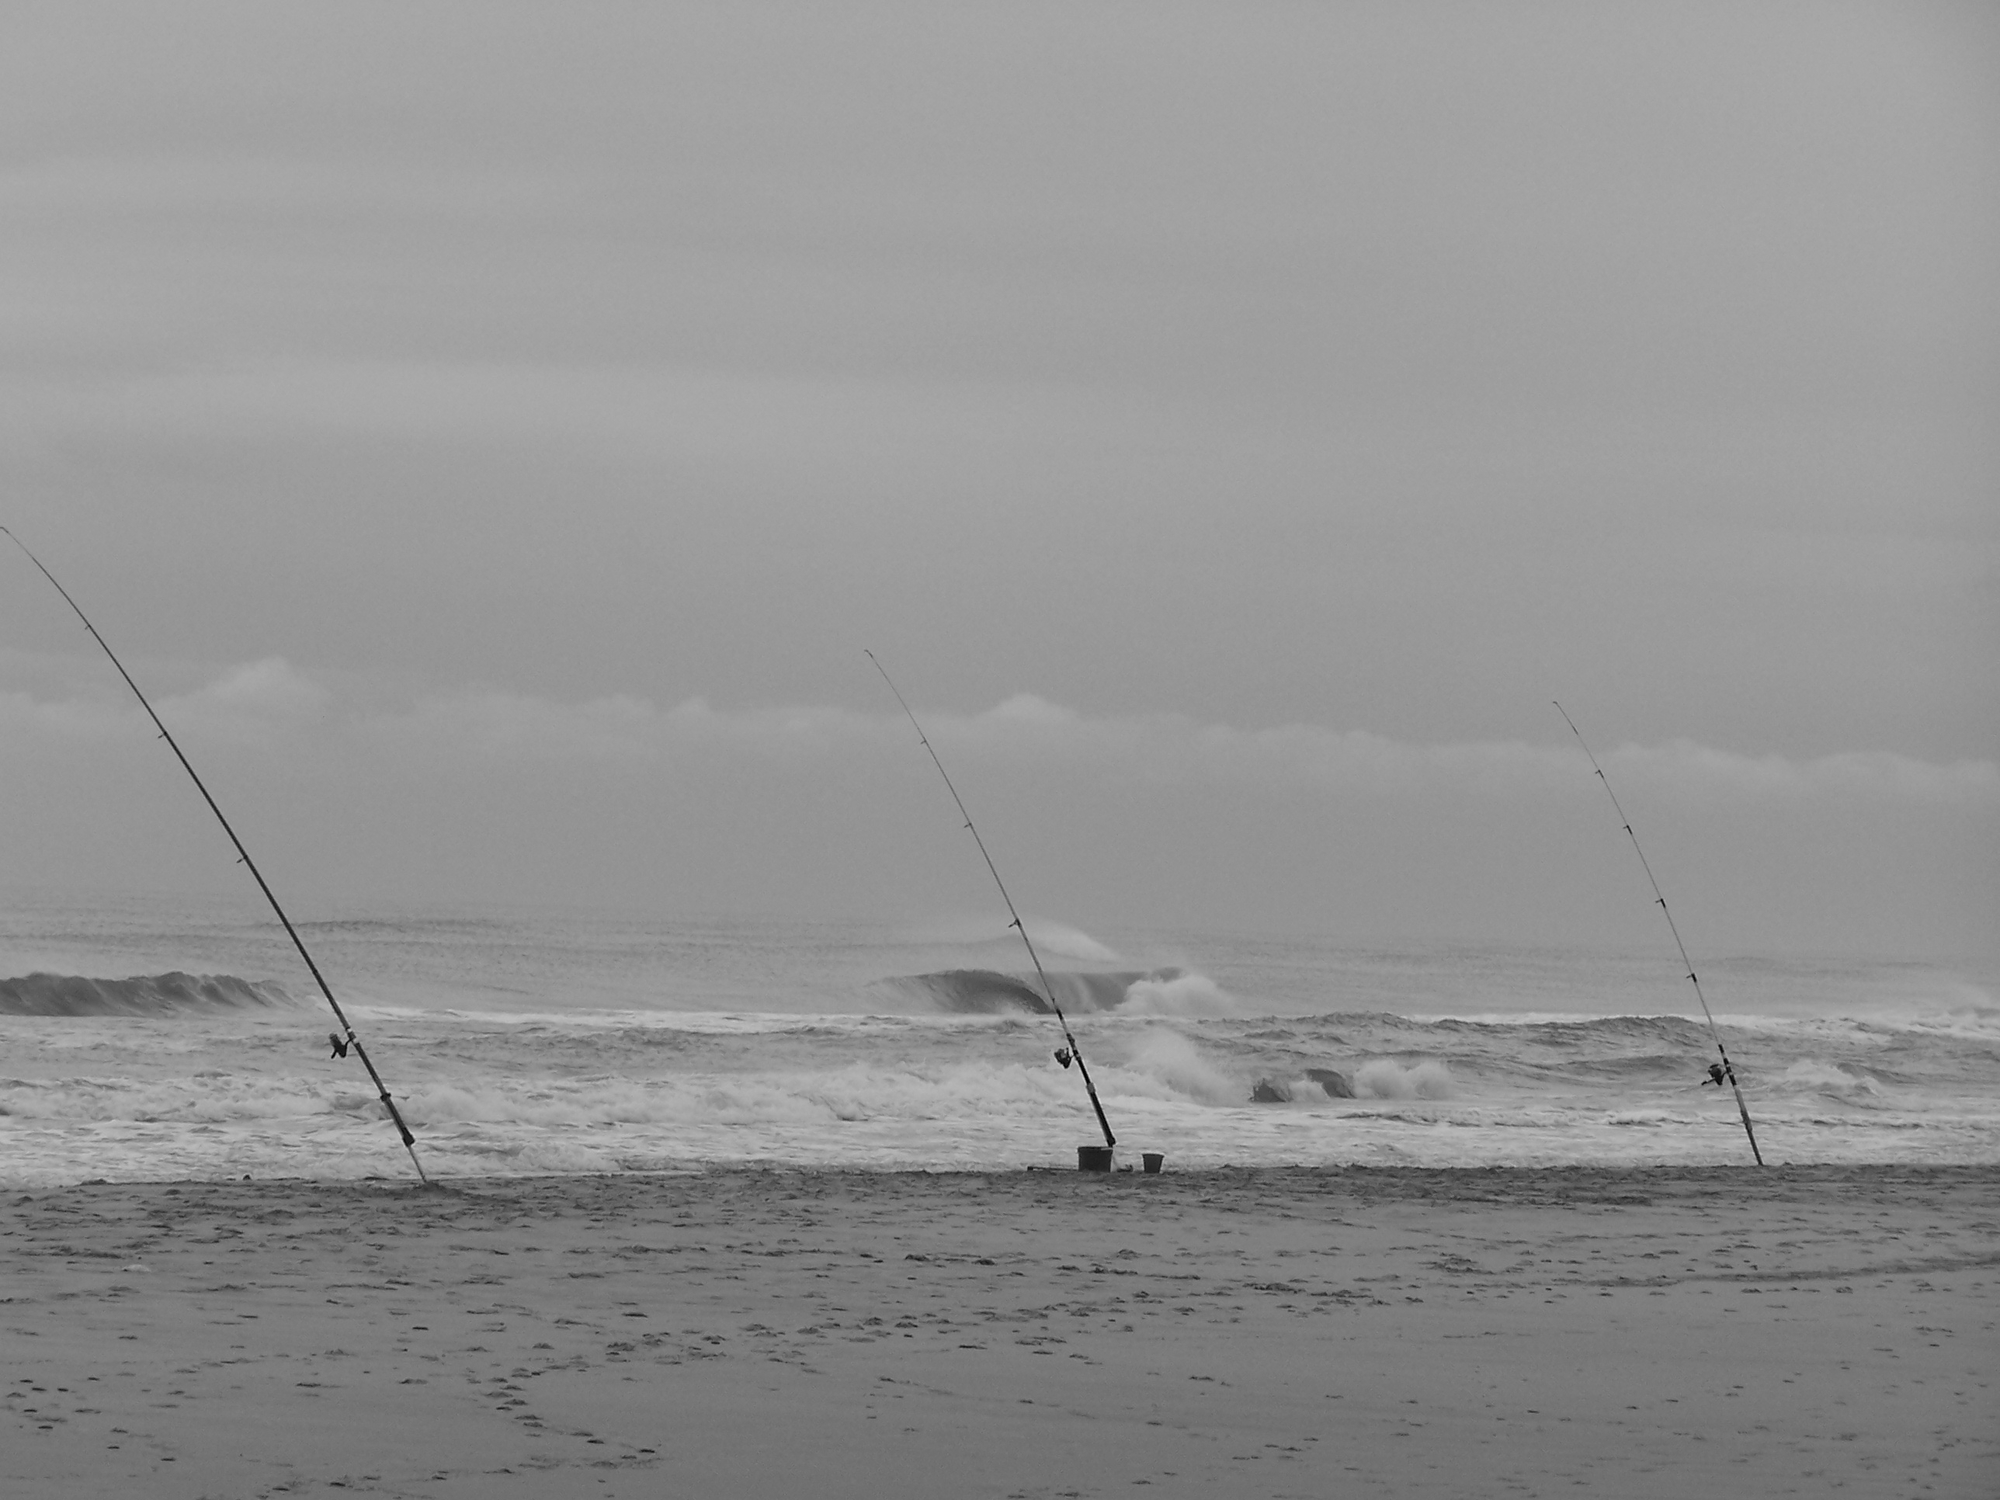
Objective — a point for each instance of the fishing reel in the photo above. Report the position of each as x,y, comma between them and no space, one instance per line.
1717,1075
1064,1056
339,1045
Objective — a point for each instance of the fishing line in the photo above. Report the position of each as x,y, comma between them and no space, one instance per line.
341,1046
1071,1052
1717,1072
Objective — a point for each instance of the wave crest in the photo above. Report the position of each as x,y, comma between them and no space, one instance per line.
989,992
168,994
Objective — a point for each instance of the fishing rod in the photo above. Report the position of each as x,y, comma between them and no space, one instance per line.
1069,1052
340,1047
1718,1073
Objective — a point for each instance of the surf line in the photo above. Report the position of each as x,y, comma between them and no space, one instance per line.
1718,1073
1070,1052
340,1048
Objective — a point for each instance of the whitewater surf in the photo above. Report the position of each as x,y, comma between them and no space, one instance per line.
556,1041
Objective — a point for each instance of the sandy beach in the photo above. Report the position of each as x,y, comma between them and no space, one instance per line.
748,1333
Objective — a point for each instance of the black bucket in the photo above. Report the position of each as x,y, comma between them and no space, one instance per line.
1153,1160
1093,1158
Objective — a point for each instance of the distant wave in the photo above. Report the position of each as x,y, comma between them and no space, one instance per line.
398,926
141,995
989,992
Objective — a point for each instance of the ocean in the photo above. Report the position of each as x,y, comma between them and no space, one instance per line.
155,1038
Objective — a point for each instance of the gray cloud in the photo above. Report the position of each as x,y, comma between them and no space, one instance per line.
260,703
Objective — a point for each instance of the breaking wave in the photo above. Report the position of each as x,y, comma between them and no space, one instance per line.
141,995
989,992
1386,1079
1849,1081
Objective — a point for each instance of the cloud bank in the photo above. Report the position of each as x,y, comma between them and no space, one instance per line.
269,704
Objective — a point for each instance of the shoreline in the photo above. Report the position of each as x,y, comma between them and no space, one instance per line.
1255,1331
1470,1183
1364,1170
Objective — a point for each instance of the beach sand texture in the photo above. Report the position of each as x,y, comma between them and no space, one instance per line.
1661,1332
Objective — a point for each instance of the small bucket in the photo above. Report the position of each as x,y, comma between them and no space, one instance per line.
1153,1160
1093,1158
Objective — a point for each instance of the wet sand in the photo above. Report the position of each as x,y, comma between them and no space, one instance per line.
1797,1331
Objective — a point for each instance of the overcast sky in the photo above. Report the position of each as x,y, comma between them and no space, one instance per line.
495,431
